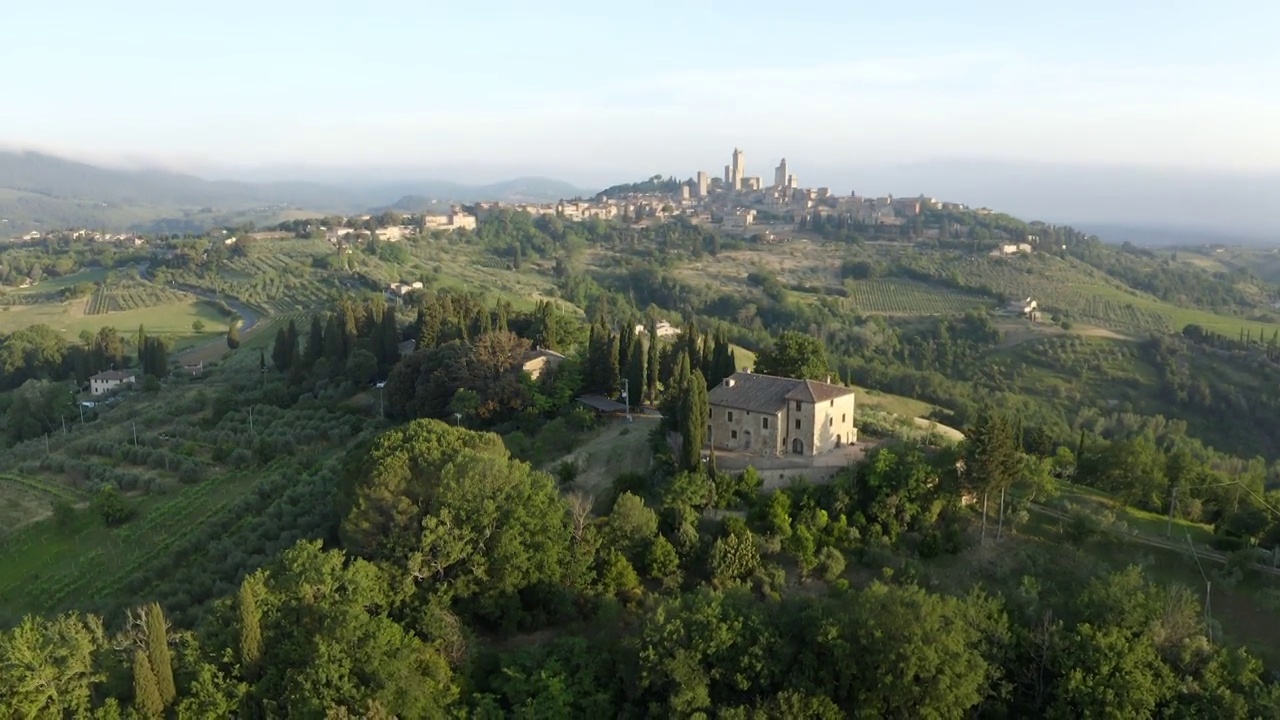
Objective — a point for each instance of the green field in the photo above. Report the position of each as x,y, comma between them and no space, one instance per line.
1089,296
173,320
46,567
53,285
897,296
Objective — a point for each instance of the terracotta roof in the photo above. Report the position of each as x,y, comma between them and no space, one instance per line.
814,391
113,375
769,394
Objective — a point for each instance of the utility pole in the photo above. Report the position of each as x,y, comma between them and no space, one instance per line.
1168,527
46,443
250,419
1000,524
382,409
626,396
135,433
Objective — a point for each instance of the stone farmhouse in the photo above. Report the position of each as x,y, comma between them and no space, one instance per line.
772,416
108,380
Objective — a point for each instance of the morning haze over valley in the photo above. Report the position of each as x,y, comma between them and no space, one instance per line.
682,360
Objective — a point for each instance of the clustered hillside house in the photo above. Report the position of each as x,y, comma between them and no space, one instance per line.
538,361
772,416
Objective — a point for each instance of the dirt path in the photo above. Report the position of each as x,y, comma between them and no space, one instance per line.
618,447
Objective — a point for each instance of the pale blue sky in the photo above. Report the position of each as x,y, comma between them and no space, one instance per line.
588,91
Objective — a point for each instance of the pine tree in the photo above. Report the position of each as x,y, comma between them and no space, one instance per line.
146,694
250,630
315,340
158,653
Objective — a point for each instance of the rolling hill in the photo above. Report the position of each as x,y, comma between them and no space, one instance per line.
40,191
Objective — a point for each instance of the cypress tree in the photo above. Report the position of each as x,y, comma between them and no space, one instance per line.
146,694
693,424
158,652
674,393
142,344
335,344
250,630
427,326
389,339
653,365
280,353
155,358
626,344
708,357
233,335
315,340
294,353
692,341
636,374
612,373
350,326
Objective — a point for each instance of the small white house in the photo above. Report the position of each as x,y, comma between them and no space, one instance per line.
1026,307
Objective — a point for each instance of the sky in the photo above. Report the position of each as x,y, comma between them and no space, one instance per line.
606,92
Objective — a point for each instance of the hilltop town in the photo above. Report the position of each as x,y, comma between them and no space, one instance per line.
735,203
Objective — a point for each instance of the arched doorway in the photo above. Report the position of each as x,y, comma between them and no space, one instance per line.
797,446
838,443
746,440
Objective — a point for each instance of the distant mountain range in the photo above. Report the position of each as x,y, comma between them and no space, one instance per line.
40,191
